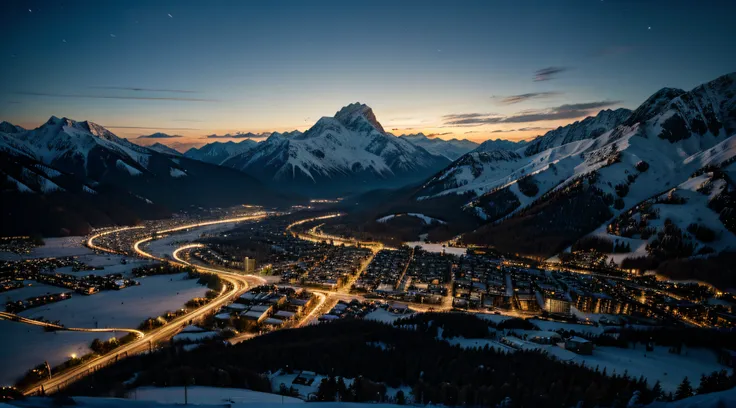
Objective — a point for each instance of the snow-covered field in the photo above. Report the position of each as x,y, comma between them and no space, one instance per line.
126,308
111,264
207,395
660,365
438,248
384,316
53,247
25,346
166,245
32,289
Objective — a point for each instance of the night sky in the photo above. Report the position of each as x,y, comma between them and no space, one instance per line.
477,70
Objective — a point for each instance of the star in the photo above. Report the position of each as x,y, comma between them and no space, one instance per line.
63,40
30,11
170,16
112,35
649,28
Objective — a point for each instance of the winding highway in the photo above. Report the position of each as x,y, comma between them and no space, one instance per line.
236,285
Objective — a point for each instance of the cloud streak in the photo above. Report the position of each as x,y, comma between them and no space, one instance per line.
545,74
247,135
147,128
510,100
137,98
567,111
136,89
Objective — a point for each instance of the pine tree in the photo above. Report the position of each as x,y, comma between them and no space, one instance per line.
400,398
684,390
657,393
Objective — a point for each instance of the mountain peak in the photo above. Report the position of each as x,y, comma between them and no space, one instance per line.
7,127
352,113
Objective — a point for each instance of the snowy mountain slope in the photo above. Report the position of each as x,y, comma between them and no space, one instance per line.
6,127
499,144
346,153
218,152
162,148
451,149
65,162
631,163
590,127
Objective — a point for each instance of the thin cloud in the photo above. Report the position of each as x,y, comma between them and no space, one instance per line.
247,135
136,89
567,111
545,74
529,129
510,100
147,128
438,134
460,116
136,98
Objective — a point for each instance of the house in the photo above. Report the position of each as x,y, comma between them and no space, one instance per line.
579,345
272,322
284,315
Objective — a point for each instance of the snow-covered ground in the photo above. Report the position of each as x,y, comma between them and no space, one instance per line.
32,289
207,395
384,316
195,337
25,346
659,364
713,400
92,402
427,219
53,247
438,248
280,377
126,308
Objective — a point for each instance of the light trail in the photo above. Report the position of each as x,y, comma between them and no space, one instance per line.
21,319
91,244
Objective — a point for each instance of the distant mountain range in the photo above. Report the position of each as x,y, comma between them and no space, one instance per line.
218,152
67,176
451,149
347,153
674,154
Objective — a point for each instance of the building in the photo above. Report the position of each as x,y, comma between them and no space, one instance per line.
250,265
579,345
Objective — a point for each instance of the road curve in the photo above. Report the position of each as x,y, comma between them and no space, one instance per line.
238,284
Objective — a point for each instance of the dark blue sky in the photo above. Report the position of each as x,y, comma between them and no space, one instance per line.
277,65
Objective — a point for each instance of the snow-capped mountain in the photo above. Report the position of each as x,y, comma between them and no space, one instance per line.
576,180
590,127
162,148
6,127
218,152
74,174
159,135
349,152
570,190
451,149
499,144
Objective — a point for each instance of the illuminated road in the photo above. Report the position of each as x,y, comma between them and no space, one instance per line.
236,286
20,319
